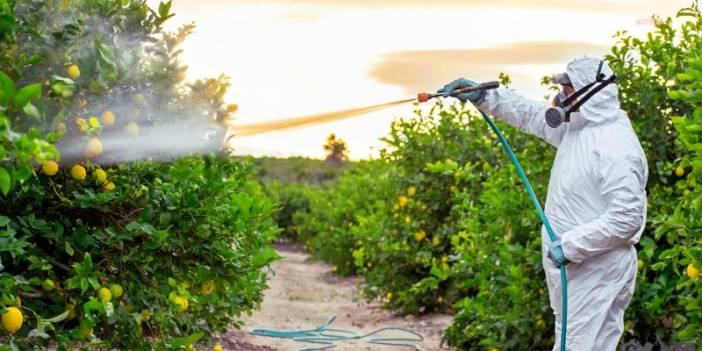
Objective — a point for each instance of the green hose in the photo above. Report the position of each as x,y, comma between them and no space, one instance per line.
327,337
544,220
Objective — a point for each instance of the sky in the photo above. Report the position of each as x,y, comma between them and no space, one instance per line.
289,58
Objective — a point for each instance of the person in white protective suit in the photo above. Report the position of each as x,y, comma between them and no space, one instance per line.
596,200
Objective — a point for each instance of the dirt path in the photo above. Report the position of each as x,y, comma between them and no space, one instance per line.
304,293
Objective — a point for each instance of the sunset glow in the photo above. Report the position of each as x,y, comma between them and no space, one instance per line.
295,58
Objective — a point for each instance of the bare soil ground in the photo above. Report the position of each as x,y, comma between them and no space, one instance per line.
304,293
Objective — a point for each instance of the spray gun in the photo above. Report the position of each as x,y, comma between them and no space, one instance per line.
423,97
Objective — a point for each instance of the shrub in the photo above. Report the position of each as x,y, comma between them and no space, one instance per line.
330,227
100,254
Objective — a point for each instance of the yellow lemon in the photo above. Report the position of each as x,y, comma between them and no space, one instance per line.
109,186
408,220
686,192
436,240
108,118
116,290
78,172
71,309
217,347
640,264
493,136
61,128
94,148
100,176
132,128
207,288
181,303
411,191
87,333
388,295
420,235
145,314
73,71
402,201
104,294
231,108
50,168
12,319
692,271
679,171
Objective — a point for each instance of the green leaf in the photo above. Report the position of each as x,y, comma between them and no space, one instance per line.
27,94
7,23
69,249
31,110
5,181
91,306
58,318
4,221
264,257
83,285
186,340
7,87
63,87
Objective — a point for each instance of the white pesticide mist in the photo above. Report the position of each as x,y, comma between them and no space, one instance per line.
163,142
143,130
152,143
171,121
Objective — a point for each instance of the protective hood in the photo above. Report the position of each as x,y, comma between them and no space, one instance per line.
603,106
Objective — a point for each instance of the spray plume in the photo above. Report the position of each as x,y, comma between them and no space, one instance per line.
309,120
153,143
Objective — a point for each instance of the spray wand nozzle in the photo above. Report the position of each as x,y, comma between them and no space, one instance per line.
423,97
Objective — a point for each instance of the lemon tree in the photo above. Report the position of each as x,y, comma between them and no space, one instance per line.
93,248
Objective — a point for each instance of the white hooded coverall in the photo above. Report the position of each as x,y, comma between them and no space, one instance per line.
596,204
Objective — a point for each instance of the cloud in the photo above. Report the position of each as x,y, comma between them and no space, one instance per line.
416,70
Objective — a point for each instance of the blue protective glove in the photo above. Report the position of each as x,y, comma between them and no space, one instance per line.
476,97
555,253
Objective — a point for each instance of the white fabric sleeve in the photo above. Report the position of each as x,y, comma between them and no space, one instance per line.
623,188
524,114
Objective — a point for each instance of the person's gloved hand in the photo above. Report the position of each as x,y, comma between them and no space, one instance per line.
555,253
476,97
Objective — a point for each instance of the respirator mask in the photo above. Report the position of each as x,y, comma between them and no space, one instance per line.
562,105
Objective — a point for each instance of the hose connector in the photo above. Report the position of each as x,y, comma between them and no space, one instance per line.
424,97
